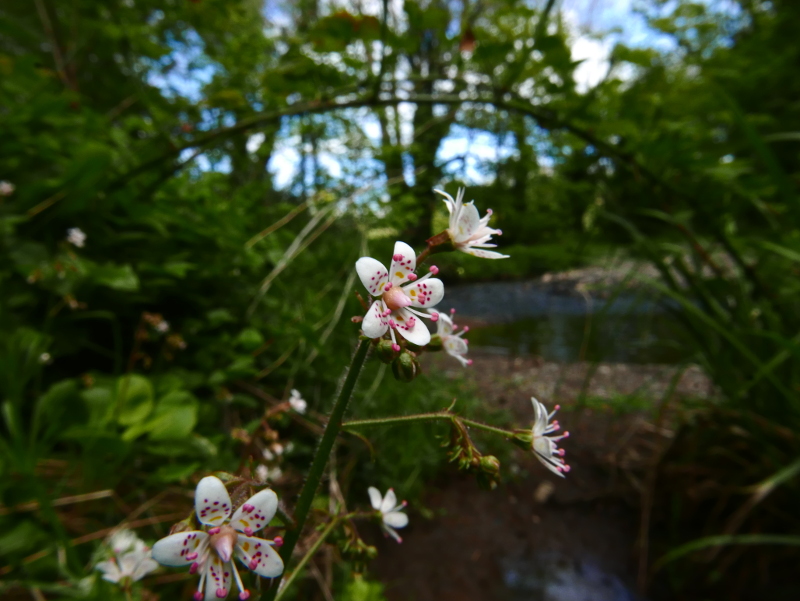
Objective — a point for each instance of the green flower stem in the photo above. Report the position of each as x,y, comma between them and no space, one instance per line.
306,558
321,457
423,417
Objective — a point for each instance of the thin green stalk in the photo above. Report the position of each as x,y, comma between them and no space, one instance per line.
422,417
321,457
306,558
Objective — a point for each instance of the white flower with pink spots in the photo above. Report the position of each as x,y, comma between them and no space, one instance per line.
399,294
543,445
469,231
453,344
210,552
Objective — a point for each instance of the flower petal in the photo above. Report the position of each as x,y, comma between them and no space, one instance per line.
211,501
395,519
172,550
256,512
389,501
455,345
483,254
218,578
372,274
411,328
444,326
468,223
405,264
144,567
375,497
259,556
111,571
425,293
392,532
375,324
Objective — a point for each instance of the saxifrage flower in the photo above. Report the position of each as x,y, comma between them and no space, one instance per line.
543,445
453,344
391,516
210,553
469,232
131,560
397,291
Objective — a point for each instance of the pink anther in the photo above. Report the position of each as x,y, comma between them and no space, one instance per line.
191,556
392,323
434,317
466,329
397,257
245,594
253,564
194,567
469,361
247,508
452,311
388,286
222,593
412,277
396,348
214,530
434,270
198,596
565,435
278,541
248,531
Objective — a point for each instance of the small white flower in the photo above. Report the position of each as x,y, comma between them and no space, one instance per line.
6,188
131,559
396,295
211,552
76,237
162,326
266,474
453,344
391,516
469,232
297,402
544,446
45,358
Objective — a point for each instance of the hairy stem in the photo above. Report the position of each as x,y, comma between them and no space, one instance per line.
424,417
321,457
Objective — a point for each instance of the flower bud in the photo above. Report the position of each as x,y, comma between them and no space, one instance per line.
490,464
385,351
405,367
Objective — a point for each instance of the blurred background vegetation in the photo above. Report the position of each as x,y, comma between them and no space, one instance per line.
229,160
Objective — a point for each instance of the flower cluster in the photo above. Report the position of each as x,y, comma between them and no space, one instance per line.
130,559
297,402
76,237
210,552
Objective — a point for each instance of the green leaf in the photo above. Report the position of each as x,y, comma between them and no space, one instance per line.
727,539
175,416
134,398
118,277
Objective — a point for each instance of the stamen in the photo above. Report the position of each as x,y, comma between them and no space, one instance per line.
198,596
248,531
397,257
412,277
247,508
278,541
245,594
434,270
214,531
396,348
194,567
469,361
238,579
191,556
466,329
222,593
388,287
452,311
434,317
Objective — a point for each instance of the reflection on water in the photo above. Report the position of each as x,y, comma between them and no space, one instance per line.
530,318
553,577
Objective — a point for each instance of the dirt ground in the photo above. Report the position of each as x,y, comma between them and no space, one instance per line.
538,537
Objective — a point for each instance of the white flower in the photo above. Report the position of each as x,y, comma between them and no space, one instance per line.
45,358
297,402
6,188
397,294
76,237
469,232
131,561
544,446
266,474
453,344
211,552
162,326
391,516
